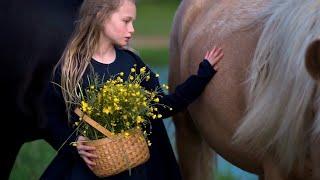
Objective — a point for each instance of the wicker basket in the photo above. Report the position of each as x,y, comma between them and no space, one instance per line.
116,153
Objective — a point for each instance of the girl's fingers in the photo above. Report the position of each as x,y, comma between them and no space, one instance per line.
87,154
88,161
86,148
215,52
83,152
212,51
217,59
214,55
90,167
219,51
206,56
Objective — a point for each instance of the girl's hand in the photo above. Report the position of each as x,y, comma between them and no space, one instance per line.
85,152
214,56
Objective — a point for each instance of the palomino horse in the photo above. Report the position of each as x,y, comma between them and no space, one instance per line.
33,35
260,112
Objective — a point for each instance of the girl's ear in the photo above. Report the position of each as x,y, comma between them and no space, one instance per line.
312,59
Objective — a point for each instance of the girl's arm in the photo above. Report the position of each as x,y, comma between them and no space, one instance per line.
189,90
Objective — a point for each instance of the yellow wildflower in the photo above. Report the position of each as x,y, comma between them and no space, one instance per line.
107,110
84,104
116,100
126,134
142,70
139,119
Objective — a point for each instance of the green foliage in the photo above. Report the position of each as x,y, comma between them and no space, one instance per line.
155,18
155,57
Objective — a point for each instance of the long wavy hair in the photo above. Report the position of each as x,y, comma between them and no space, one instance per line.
282,94
80,48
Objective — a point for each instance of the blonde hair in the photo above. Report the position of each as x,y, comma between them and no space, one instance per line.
80,48
281,91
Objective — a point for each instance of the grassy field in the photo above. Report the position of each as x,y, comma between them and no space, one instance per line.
155,19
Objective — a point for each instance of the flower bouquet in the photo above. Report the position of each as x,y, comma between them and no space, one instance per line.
114,116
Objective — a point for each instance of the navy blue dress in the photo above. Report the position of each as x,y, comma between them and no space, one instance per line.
162,164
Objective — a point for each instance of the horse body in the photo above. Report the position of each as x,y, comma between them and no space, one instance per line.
212,120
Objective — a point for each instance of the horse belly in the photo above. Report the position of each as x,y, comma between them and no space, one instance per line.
220,108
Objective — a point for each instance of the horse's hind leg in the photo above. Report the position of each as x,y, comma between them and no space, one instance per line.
194,155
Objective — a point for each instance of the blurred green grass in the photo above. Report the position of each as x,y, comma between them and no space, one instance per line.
155,19
155,57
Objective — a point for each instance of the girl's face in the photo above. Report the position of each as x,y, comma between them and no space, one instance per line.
118,27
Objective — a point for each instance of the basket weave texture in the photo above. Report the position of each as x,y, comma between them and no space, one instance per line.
119,153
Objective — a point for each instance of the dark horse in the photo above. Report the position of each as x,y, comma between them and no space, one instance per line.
33,36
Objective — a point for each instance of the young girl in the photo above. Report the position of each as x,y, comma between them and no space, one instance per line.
99,44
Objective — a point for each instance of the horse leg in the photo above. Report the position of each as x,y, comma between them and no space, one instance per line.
315,160
194,155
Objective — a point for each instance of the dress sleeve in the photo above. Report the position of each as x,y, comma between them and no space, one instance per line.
58,132
184,93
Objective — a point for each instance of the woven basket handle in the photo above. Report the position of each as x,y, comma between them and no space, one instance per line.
93,123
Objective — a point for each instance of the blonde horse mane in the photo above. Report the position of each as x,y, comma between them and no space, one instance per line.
281,92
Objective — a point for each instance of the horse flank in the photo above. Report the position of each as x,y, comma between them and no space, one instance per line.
281,90
239,14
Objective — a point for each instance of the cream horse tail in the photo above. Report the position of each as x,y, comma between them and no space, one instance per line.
281,91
